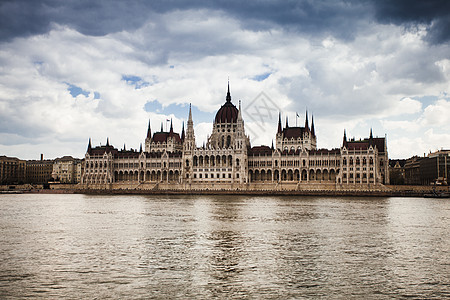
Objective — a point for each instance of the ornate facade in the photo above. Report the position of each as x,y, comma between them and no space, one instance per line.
227,160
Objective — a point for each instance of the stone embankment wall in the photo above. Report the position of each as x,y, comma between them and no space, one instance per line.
318,189
289,188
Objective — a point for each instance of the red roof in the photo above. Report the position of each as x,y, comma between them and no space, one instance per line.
379,143
228,113
260,150
163,136
357,145
100,150
325,151
365,144
293,132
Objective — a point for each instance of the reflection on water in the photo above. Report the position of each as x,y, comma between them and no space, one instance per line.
78,246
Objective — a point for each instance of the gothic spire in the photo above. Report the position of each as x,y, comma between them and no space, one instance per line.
272,144
107,142
239,117
279,123
140,149
312,126
228,93
287,125
171,126
371,135
124,147
306,121
89,146
182,133
344,141
190,113
161,126
149,130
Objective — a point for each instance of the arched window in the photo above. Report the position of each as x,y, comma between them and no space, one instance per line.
228,141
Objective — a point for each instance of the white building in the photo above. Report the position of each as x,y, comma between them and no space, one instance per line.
227,160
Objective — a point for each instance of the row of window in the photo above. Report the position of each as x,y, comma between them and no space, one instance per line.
212,175
358,175
295,163
213,161
357,169
357,161
260,163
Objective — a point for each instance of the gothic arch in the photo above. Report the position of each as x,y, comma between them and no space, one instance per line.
318,175
304,175
290,175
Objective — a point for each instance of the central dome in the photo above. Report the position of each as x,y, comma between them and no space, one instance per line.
228,113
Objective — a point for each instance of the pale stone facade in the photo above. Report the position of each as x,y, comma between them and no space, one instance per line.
65,169
227,160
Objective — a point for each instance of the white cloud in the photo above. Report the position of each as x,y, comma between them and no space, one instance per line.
438,114
408,126
187,56
406,106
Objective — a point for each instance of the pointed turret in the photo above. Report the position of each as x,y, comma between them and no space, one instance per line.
239,117
272,145
312,126
124,147
228,93
371,135
140,148
182,133
344,140
190,137
287,125
149,130
161,126
89,146
171,126
107,142
306,122
279,123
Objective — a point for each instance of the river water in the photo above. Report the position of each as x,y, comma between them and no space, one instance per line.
140,247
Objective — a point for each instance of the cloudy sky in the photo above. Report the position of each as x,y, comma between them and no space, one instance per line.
74,70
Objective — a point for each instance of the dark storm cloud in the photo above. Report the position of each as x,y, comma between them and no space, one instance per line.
435,14
341,19
28,17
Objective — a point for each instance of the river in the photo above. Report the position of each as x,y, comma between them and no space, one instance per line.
202,247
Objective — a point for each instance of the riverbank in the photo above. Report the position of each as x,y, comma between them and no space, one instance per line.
388,191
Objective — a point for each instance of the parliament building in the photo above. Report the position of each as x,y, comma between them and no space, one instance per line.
227,161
